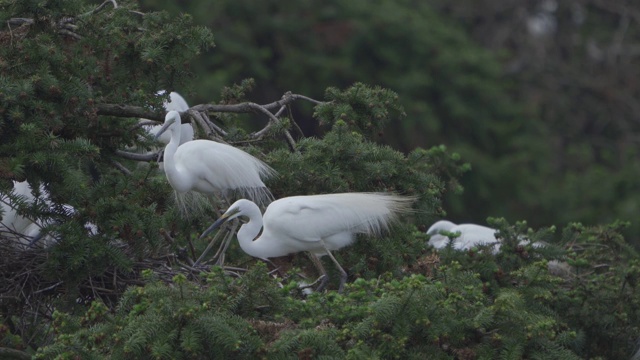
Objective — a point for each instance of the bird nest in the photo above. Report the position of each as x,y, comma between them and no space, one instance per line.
30,291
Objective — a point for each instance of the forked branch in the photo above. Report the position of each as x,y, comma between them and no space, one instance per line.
199,115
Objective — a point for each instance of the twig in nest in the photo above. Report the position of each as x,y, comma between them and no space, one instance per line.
48,287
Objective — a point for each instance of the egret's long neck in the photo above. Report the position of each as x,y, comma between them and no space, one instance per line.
248,233
178,180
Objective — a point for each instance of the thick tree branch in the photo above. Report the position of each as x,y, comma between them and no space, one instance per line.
247,107
198,115
6,353
128,111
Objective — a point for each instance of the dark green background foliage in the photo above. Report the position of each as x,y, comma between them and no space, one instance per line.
548,122
412,101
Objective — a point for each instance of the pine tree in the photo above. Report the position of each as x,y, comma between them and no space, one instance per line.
76,78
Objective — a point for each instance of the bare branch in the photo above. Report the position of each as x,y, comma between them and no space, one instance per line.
144,123
122,168
137,157
294,123
128,111
211,124
20,21
248,107
7,353
101,6
69,33
272,120
198,114
202,120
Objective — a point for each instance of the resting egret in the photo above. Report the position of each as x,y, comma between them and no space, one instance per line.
208,167
316,223
11,220
25,231
471,235
177,103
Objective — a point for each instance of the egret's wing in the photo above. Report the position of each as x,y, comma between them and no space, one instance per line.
231,167
310,218
472,235
439,226
225,168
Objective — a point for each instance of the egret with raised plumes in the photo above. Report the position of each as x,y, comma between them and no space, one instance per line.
318,224
210,167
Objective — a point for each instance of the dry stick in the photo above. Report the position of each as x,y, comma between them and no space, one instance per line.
213,125
295,124
272,120
137,157
144,123
206,125
48,288
121,167
101,6
69,33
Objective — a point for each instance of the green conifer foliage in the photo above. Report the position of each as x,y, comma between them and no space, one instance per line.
63,67
70,101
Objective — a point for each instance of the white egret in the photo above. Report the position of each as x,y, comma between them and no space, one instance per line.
318,224
471,235
177,103
208,167
11,220
25,231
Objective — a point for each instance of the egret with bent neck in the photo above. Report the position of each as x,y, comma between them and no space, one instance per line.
318,224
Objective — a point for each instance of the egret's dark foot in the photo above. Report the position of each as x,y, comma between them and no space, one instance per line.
343,280
323,282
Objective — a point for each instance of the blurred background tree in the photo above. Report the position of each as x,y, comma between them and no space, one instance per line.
537,95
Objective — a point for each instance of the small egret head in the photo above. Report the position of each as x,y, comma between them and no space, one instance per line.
172,117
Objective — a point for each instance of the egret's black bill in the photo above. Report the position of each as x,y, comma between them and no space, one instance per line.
216,224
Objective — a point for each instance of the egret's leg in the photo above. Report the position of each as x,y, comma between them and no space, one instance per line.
35,239
275,268
324,277
219,256
206,251
343,274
